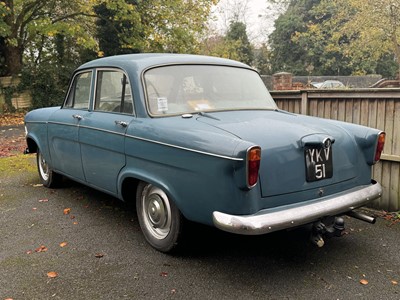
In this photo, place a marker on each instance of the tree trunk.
(13, 60)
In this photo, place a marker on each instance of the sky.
(258, 15)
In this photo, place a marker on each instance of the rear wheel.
(47, 176)
(159, 218)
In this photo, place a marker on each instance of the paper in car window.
(162, 104)
(200, 105)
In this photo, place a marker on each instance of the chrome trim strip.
(184, 148)
(62, 123)
(103, 130)
(36, 122)
(289, 216)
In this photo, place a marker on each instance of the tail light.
(253, 165)
(379, 146)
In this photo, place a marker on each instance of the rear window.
(181, 89)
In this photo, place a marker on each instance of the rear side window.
(113, 92)
(79, 93)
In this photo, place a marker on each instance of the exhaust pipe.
(361, 217)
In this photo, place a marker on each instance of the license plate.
(318, 163)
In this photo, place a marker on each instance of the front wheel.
(47, 176)
(159, 218)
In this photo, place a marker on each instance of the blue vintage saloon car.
(199, 138)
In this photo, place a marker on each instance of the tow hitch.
(321, 230)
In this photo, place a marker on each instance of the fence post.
(304, 103)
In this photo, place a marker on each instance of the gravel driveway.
(77, 243)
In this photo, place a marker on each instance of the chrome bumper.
(288, 216)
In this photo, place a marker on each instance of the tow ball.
(320, 231)
(335, 228)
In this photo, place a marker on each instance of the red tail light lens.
(253, 165)
(379, 146)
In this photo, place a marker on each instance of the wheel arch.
(130, 179)
(32, 145)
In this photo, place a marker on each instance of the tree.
(32, 23)
(127, 26)
(371, 38)
(286, 53)
(237, 35)
(349, 28)
(262, 59)
(153, 25)
(112, 26)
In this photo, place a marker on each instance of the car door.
(102, 131)
(63, 127)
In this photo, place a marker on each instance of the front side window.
(113, 92)
(79, 93)
(183, 89)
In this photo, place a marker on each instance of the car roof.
(146, 60)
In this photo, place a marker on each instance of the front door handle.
(121, 123)
(78, 117)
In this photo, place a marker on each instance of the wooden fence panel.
(377, 108)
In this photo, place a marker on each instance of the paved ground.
(106, 256)
(12, 140)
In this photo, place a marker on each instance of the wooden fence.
(18, 99)
(377, 108)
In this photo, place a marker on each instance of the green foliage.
(346, 38)
(234, 45)
(262, 59)
(238, 35)
(286, 53)
(46, 39)
(7, 92)
(4, 13)
(326, 37)
(32, 25)
(48, 80)
(130, 26)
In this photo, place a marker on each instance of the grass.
(18, 163)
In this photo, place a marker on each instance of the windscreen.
(181, 89)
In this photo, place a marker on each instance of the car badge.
(327, 143)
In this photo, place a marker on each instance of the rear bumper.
(270, 220)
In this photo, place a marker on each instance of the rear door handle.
(121, 123)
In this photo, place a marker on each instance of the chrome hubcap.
(156, 211)
(43, 167)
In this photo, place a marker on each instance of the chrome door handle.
(121, 123)
(78, 117)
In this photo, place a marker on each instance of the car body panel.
(199, 158)
(63, 141)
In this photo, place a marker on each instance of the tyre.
(47, 176)
(160, 220)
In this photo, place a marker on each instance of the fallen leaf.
(364, 281)
(394, 282)
(43, 200)
(41, 249)
(34, 208)
(99, 255)
(37, 185)
(8, 299)
(67, 211)
(75, 223)
(173, 291)
(63, 244)
(52, 274)
(29, 252)
(163, 274)
(72, 217)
